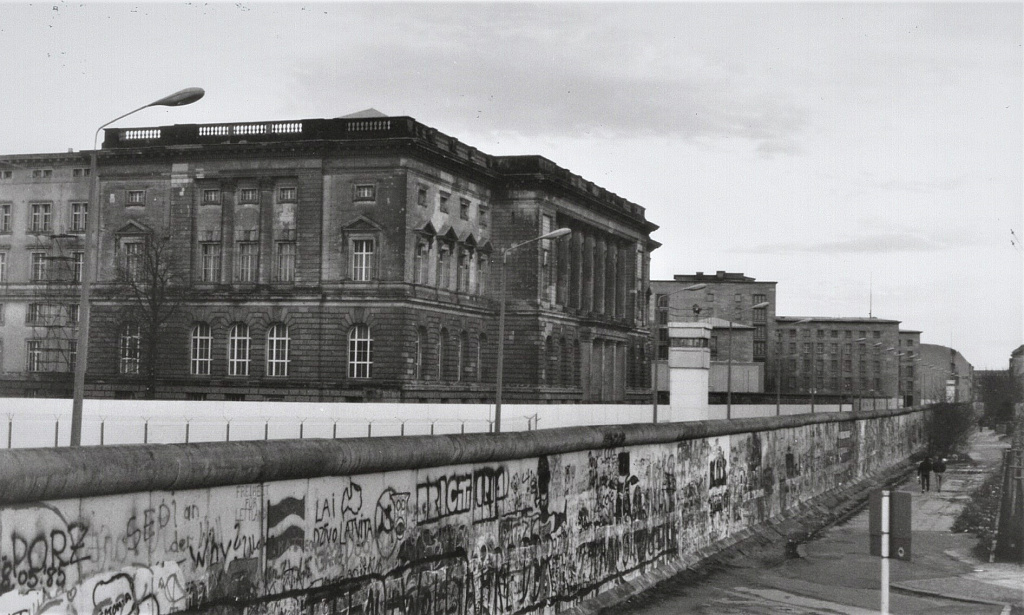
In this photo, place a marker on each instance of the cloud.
(878, 243)
(524, 75)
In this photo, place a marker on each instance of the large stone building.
(720, 298)
(349, 259)
(840, 356)
(947, 374)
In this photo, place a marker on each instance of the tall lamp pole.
(501, 317)
(654, 355)
(728, 365)
(91, 256)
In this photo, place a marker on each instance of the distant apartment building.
(44, 211)
(839, 356)
(721, 298)
(947, 376)
(345, 259)
(909, 366)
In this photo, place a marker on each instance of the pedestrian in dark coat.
(924, 470)
(939, 468)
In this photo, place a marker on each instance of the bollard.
(431, 428)
(56, 433)
(463, 427)
(369, 429)
(10, 430)
(227, 432)
(187, 425)
(302, 426)
(145, 432)
(334, 432)
(403, 429)
(103, 425)
(266, 430)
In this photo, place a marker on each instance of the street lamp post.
(178, 99)
(654, 353)
(728, 365)
(501, 317)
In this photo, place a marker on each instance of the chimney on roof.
(719, 274)
(700, 273)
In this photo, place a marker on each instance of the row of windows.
(277, 356)
(443, 205)
(40, 217)
(46, 173)
(40, 268)
(362, 258)
(835, 333)
(835, 348)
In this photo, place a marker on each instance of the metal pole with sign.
(889, 530)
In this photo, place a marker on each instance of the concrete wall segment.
(28, 475)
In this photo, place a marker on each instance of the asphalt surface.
(837, 575)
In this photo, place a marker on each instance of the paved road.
(838, 576)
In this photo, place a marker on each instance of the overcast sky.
(855, 153)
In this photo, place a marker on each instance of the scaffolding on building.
(53, 315)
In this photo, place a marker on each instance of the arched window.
(459, 375)
(442, 339)
(238, 350)
(421, 345)
(278, 341)
(566, 376)
(360, 352)
(481, 373)
(200, 342)
(129, 348)
(550, 373)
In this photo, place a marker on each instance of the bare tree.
(151, 283)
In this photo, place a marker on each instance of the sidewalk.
(934, 513)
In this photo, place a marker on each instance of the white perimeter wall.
(28, 423)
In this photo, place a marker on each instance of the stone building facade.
(838, 356)
(949, 375)
(43, 212)
(360, 259)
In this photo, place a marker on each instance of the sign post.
(889, 529)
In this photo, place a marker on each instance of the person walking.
(924, 471)
(939, 467)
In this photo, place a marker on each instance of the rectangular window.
(759, 349)
(362, 193)
(210, 262)
(34, 353)
(40, 222)
(248, 255)
(6, 174)
(485, 215)
(421, 196)
(287, 194)
(3, 267)
(248, 195)
(464, 209)
(36, 314)
(136, 197)
(78, 264)
(422, 261)
(463, 265)
(80, 172)
(38, 266)
(444, 266)
(42, 173)
(131, 260)
(362, 260)
(73, 313)
(710, 297)
(792, 347)
(5, 217)
(211, 196)
(285, 261)
(443, 201)
(79, 215)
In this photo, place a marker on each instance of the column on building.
(587, 281)
(599, 274)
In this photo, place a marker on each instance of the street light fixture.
(654, 353)
(501, 317)
(728, 367)
(177, 99)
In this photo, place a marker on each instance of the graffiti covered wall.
(524, 535)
